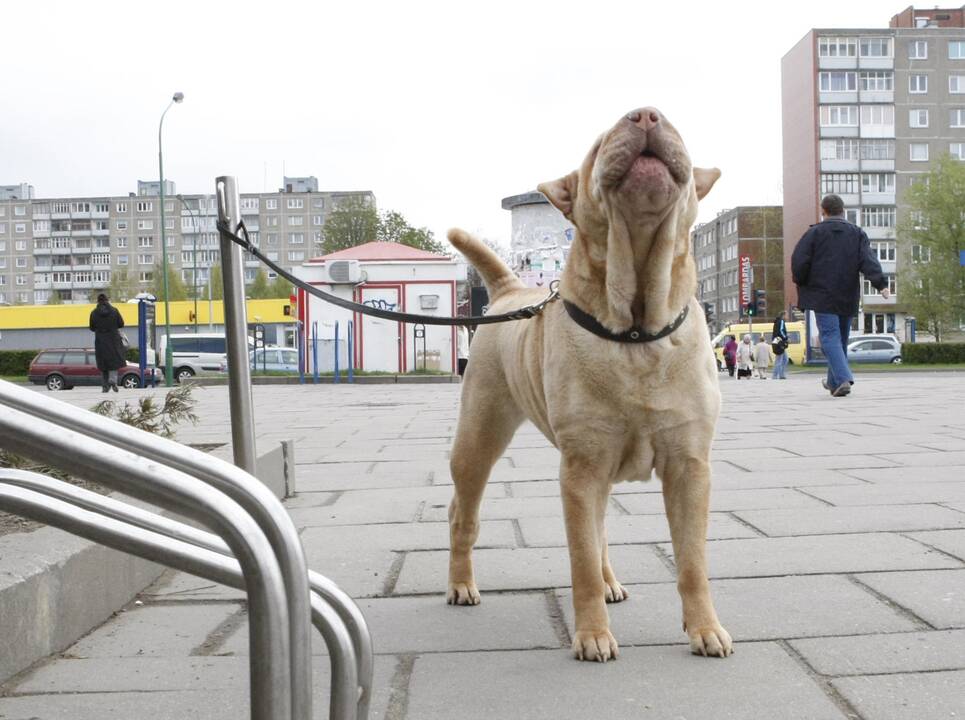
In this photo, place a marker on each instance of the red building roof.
(381, 251)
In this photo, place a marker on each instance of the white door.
(380, 339)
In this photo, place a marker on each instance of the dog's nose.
(647, 118)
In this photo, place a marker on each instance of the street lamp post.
(194, 276)
(168, 354)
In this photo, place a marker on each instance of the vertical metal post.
(301, 353)
(315, 352)
(236, 328)
(351, 350)
(336, 351)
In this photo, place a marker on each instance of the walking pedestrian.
(779, 343)
(762, 357)
(106, 323)
(730, 354)
(825, 266)
(462, 349)
(745, 358)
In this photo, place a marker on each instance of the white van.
(195, 353)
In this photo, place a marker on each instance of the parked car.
(195, 353)
(874, 349)
(63, 368)
(274, 358)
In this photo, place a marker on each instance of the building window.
(122, 259)
(918, 118)
(145, 241)
(121, 225)
(145, 206)
(877, 115)
(21, 262)
(839, 115)
(956, 84)
(892, 287)
(272, 238)
(19, 210)
(80, 207)
(877, 80)
(146, 276)
(296, 238)
(841, 149)
(121, 207)
(877, 149)
(20, 228)
(296, 255)
(296, 203)
(957, 150)
(100, 259)
(918, 152)
(880, 217)
(102, 207)
(837, 47)
(271, 221)
(145, 259)
(920, 254)
(61, 208)
(317, 220)
(318, 203)
(878, 182)
(917, 84)
(21, 279)
(956, 50)
(875, 47)
(145, 224)
(273, 256)
(838, 81)
(3, 228)
(296, 220)
(271, 204)
(121, 242)
(249, 204)
(918, 50)
(956, 117)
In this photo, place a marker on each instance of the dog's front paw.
(615, 592)
(710, 641)
(595, 645)
(463, 593)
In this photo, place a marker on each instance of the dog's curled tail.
(495, 273)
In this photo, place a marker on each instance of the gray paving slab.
(179, 586)
(628, 529)
(213, 688)
(724, 500)
(819, 554)
(831, 462)
(892, 493)
(950, 541)
(381, 511)
(875, 518)
(364, 573)
(926, 459)
(760, 681)
(910, 475)
(524, 568)
(345, 541)
(938, 597)
(921, 696)
(885, 653)
(175, 631)
(753, 609)
(514, 621)
(494, 508)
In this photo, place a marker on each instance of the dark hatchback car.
(62, 369)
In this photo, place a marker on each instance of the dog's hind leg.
(488, 420)
(615, 592)
(686, 497)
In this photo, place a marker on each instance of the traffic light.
(709, 313)
(750, 309)
(760, 302)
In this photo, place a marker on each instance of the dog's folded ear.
(704, 179)
(562, 192)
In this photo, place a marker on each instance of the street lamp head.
(178, 97)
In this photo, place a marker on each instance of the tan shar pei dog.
(619, 376)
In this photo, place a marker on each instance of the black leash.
(523, 313)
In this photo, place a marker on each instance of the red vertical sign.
(745, 280)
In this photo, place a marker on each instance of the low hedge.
(17, 362)
(932, 353)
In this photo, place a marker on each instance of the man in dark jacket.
(106, 323)
(825, 266)
(779, 343)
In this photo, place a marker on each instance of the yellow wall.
(70, 316)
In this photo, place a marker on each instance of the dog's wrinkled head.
(636, 195)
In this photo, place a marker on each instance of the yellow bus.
(795, 336)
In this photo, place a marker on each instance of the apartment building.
(736, 253)
(865, 112)
(71, 246)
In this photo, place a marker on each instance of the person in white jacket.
(745, 357)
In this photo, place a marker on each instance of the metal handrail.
(171, 489)
(344, 681)
(255, 498)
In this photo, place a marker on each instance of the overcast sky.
(440, 108)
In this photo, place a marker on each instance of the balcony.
(42, 285)
(834, 131)
(838, 63)
(877, 63)
(840, 166)
(869, 198)
(877, 96)
(838, 98)
(880, 233)
(877, 165)
(41, 251)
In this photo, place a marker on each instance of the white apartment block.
(71, 246)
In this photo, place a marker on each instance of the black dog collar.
(633, 335)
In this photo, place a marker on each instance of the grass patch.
(14, 378)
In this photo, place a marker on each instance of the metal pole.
(236, 329)
(315, 351)
(168, 353)
(351, 350)
(301, 353)
(336, 351)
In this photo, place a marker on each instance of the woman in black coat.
(106, 323)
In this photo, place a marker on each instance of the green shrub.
(16, 362)
(932, 353)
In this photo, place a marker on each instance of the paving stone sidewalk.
(836, 552)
